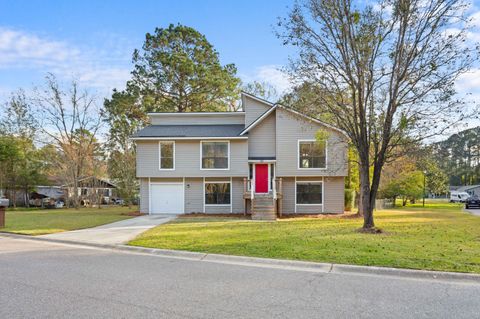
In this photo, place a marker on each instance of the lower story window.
(309, 193)
(217, 193)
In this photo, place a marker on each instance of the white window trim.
(217, 205)
(310, 182)
(160, 155)
(201, 156)
(312, 168)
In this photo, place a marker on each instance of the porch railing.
(249, 187)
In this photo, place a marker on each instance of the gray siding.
(193, 195)
(314, 209)
(187, 160)
(144, 193)
(334, 195)
(253, 109)
(237, 197)
(261, 139)
(197, 119)
(289, 129)
(288, 190)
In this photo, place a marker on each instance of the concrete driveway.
(114, 233)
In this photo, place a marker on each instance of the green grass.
(438, 237)
(48, 221)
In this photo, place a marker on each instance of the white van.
(458, 197)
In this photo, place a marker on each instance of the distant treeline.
(459, 157)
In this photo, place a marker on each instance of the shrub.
(349, 199)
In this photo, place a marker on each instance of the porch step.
(264, 216)
(263, 208)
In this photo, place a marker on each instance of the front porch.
(264, 205)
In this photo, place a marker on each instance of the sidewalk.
(112, 234)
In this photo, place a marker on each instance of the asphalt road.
(473, 211)
(45, 280)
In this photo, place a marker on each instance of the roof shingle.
(231, 130)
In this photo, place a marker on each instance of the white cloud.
(18, 48)
(100, 69)
(469, 81)
(271, 74)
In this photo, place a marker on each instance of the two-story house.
(264, 160)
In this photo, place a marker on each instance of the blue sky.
(94, 40)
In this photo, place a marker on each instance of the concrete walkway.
(114, 233)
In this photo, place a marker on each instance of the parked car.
(118, 201)
(472, 202)
(458, 197)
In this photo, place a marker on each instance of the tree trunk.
(394, 201)
(360, 196)
(27, 201)
(14, 197)
(365, 204)
(75, 195)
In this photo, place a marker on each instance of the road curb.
(270, 263)
(405, 273)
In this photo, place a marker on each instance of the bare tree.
(387, 72)
(70, 121)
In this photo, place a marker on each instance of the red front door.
(261, 178)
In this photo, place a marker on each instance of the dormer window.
(215, 154)
(312, 154)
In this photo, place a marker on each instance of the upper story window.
(215, 155)
(167, 155)
(312, 154)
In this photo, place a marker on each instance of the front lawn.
(48, 221)
(438, 237)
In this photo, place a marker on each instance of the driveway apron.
(115, 233)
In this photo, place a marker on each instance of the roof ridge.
(196, 125)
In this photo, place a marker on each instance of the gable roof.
(256, 98)
(278, 106)
(258, 120)
(84, 182)
(188, 131)
(195, 113)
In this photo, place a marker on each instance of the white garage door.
(166, 198)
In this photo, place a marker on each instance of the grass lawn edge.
(454, 245)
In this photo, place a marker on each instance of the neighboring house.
(469, 189)
(264, 160)
(92, 190)
(46, 195)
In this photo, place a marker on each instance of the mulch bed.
(233, 215)
(284, 216)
